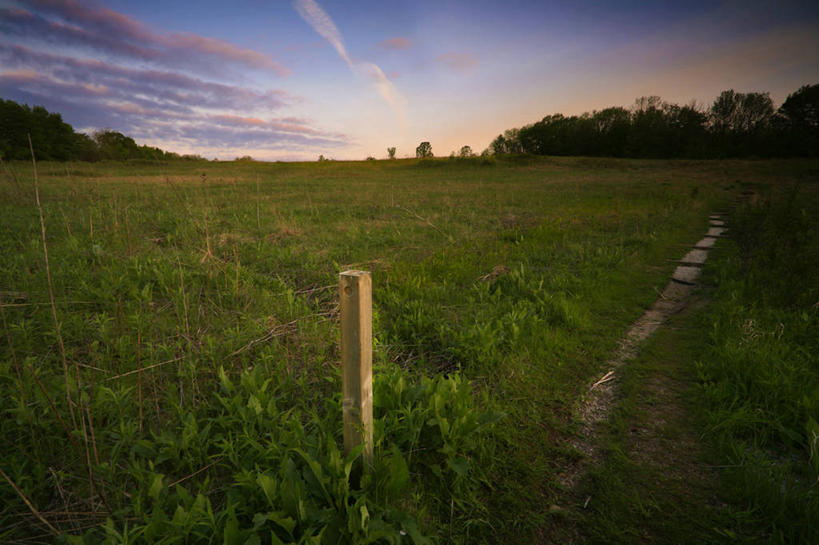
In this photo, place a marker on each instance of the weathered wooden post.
(356, 301)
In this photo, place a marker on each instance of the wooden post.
(356, 301)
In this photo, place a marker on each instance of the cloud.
(395, 43)
(69, 23)
(157, 106)
(459, 62)
(173, 90)
(321, 22)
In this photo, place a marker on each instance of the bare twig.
(279, 330)
(28, 503)
(605, 378)
(313, 290)
(425, 220)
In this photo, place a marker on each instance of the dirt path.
(662, 404)
(601, 396)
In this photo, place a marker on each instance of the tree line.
(735, 125)
(55, 140)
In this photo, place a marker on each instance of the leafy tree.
(423, 151)
(391, 153)
(55, 140)
(466, 151)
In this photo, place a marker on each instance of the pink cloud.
(109, 31)
(287, 125)
(396, 43)
(218, 48)
(460, 62)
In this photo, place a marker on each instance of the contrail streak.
(321, 22)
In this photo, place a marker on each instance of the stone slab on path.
(717, 223)
(706, 243)
(695, 256)
(715, 232)
(686, 274)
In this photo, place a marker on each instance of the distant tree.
(115, 146)
(55, 140)
(244, 159)
(741, 123)
(423, 151)
(802, 107)
(321, 158)
(612, 127)
(800, 113)
(498, 145)
(741, 112)
(391, 153)
(466, 151)
(370, 158)
(512, 137)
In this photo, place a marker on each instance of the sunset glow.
(290, 81)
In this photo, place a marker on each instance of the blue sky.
(346, 79)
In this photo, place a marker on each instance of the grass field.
(184, 385)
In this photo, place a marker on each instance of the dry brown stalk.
(144, 368)
(91, 421)
(25, 499)
(139, 376)
(426, 220)
(12, 176)
(67, 513)
(258, 197)
(88, 459)
(51, 288)
(236, 283)
(17, 366)
(53, 406)
(11, 346)
(194, 474)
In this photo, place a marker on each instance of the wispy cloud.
(460, 62)
(321, 22)
(107, 32)
(395, 43)
(161, 107)
(170, 89)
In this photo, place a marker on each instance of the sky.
(292, 80)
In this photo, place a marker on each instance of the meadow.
(170, 371)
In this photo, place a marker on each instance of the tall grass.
(203, 324)
(761, 372)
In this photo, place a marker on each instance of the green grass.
(727, 396)
(218, 279)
